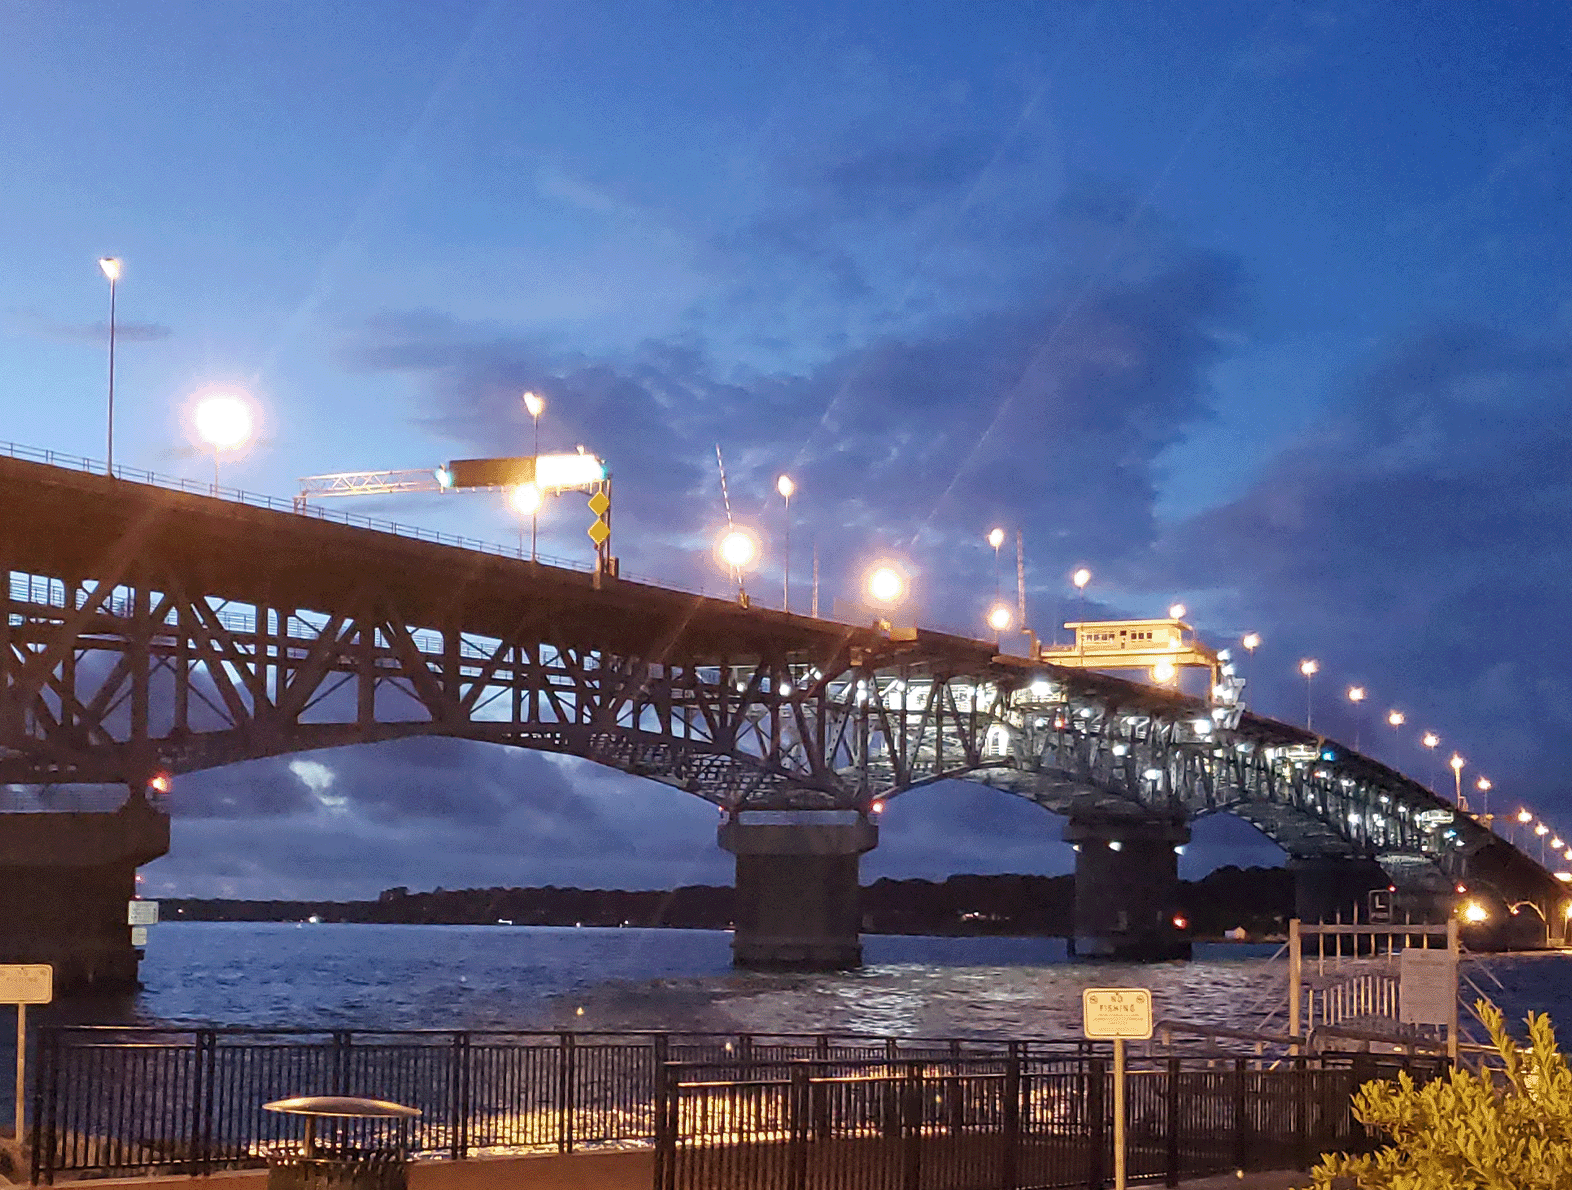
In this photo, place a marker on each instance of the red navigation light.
(160, 783)
(1462, 888)
(877, 808)
(1180, 923)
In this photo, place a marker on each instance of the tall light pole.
(1309, 667)
(526, 500)
(1484, 786)
(996, 539)
(786, 487)
(1080, 578)
(1541, 830)
(1356, 695)
(1523, 819)
(111, 268)
(1251, 642)
(1456, 764)
(535, 405)
(225, 422)
(1432, 741)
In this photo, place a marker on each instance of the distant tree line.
(1257, 900)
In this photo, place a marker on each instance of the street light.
(1176, 611)
(886, 585)
(786, 488)
(1080, 578)
(1484, 786)
(1164, 672)
(535, 405)
(1251, 641)
(737, 550)
(111, 269)
(1523, 818)
(996, 539)
(1309, 667)
(1432, 741)
(1000, 617)
(1456, 764)
(526, 500)
(1356, 695)
(225, 421)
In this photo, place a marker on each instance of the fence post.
(1241, 1117)
(196, 1152)
(565, 1064)
(1012, 1118)
(1171, 1092)
(1302, 1109)
(911, 1128)
(460, 1135)
(47, 1072)
(660, 1051)
(1096, 1117)
(664, 1133)
(893, 1087)
(797, 1128)
(342, 1041)
(1360, 1072)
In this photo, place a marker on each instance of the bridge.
(150, 631)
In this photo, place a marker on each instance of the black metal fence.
(1022, 1122)
(143, 1100)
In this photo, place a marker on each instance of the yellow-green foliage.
(1494, 1130)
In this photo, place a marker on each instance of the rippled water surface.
(451, 977)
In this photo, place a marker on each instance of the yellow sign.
(598, 504)
(26, 983)
(598, 531)
(1117, 1012)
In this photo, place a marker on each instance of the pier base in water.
(1126, 889)
(797, 889)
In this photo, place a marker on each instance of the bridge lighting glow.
(1176, 611)
(1115, 845)
(1153, 774)
(224, 420)
(1524, 816)
(1309, 667)
(1041, 689)
(996, 538)
(1556, 844)
(1120, 749)
(876, 808)
(559, 472)
(160, 783)
(534, 405)
(784, 689)
(1000, 617)
(737, 549)
(1457, 763)
(1396, 718)
(1541, 830)
(1178, 848)
(1180, 923)
(1251, 641)
(526, 499)
(1164, 671)
(444, 477)
(1474, 912)
(1080, 578)
(1356, 694)
(1565, 878)
(1483, 785)
(886, 585)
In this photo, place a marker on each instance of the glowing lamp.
(224, 420)
(1474, 912)
(1081, 577)
(999, 617)
(534, 404)
(1309, 667)
(886, 585)
(1163, 671)
(111, 267)
(785, 487)
(526, 499)
(1176, 611)
(737, 549)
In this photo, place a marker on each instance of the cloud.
(35, 325)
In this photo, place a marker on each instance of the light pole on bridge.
(1309, 667)
(1356, 695)
(1456, 764)
(786, 487)
(1432, 741)
(111, 269)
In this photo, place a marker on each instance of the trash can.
(339, 1165)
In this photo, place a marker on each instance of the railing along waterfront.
(127, 1100)
(1022, 1121)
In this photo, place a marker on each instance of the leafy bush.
(1493, 1130)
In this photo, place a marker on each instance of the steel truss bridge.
(150, 630)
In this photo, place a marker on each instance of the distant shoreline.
(1258, 901)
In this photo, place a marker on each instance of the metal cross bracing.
(148, 630)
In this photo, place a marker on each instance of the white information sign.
(26, 983)
(1427, 988)
(1117, 1012)
(142, 913)
(138, 935)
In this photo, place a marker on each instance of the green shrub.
(1509, 1129)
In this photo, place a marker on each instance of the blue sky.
(1261, 306)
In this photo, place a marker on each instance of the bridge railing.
(110, 1100)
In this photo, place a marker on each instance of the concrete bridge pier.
(797, 888)
(65, 879)
(1126, 888)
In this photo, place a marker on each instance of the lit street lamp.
(1523, 819)
(1541, 830)
(886, 586)
(1456, 764)
(786, 487)
(225, 422)
(1432, 741)
(1484, 786)
(1176, 611)
(1080, 578)
(996, 539)
(1000, 618)
(1251, 642)
(111, 269)
(1309, 667)
(1356, 695)
(526, 500)
(535, 405)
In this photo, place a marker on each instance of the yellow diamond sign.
(598, 531)
(598, 504)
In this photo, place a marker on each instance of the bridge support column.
(1126, 884)
(796, 898)
(64, 882)
(1331, 888)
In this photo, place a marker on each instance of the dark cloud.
(36, 326)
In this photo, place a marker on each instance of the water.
(533, 977)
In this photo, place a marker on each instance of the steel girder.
(114, 679)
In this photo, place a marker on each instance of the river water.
(532, 977)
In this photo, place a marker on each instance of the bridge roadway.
(154, 631)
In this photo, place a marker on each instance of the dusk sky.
(1264, 307)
